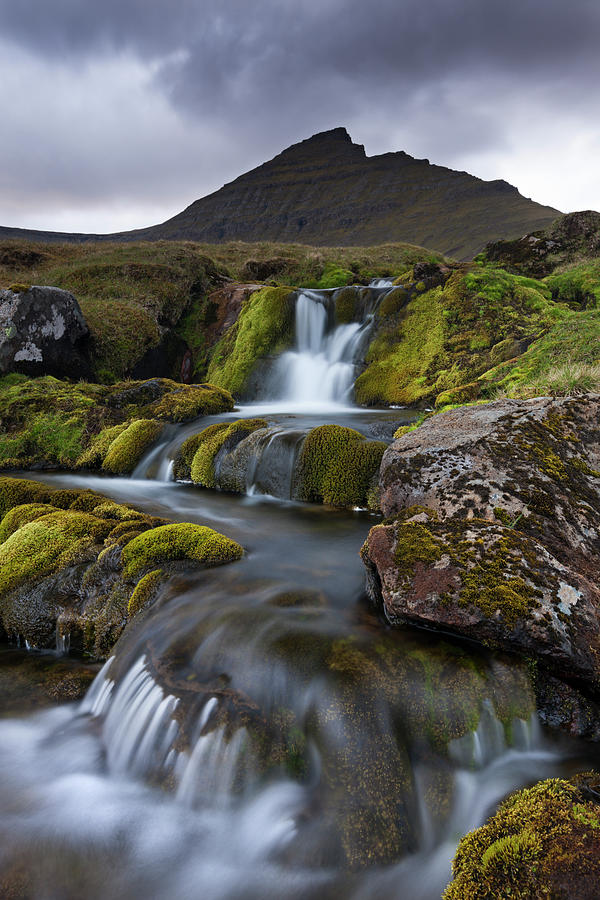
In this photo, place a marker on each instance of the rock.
(43, 332)
(493, 530)
(543, 841)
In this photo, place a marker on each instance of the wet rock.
(493, 530)
(543, 842)
(42, 332)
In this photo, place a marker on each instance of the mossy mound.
(56, 424)
(182, 541)
(144, 591)
(264, 328)
(543, 842)
(205, 447)
(338, 466)
(127, 448)
(70, 561)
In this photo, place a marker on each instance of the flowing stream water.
(259, 732)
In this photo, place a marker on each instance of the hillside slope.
(326, 191)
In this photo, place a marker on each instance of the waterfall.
(321, 366)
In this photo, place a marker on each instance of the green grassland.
(502, 325)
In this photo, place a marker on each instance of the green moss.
(185, 454)
(52, 423)
(78, 536)
(466, 393)
(20, 515)
(144, 591)
(393, 302)
(207, 444)
(93, 457)
(346, 307)
(577, 285)
(19, 288)
(127, 449)
(416, 544)
(338, 466)
(19, 491)
(189, 401)
(398, 360)
(183, 541)
(563, 361)
(536, 845)
(47, 544)
(333, 276)
(439, 340)
(265, 326)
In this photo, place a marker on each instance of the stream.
(260, 732)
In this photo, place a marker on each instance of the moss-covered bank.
(264, 328)
(47, 423)
(75, 562)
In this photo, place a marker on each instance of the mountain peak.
(336, 142)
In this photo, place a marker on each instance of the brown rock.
(494, 532)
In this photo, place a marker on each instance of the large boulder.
(42, 332)
(493, 530)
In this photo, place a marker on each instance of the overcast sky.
(119, 113)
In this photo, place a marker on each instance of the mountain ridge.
(326, 191)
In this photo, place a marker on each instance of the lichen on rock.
(492, 530)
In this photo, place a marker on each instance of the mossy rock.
(55, 424)
(346, 306)
(543, 842)
(221, 437)
(127, 448)
(190, 401)
(72, 559)
(182, 541)
(144, 591)
(446, 328)
(338, 466)
(466, 393)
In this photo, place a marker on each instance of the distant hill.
(326, 191)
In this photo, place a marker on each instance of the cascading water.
(321, 367)
(257, 733)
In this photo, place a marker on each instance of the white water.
(320, 370)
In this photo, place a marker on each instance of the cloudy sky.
(119, 113)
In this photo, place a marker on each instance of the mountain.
(326, 191)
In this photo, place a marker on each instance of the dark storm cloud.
(233, 50)
(198, 91)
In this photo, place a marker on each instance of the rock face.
(493, 530)
(43, 332)
(326, 191)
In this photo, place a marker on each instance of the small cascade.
(321, 367)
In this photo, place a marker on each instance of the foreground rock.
(42, 332)
(542, 842)
(76, 565)
(493, 530)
